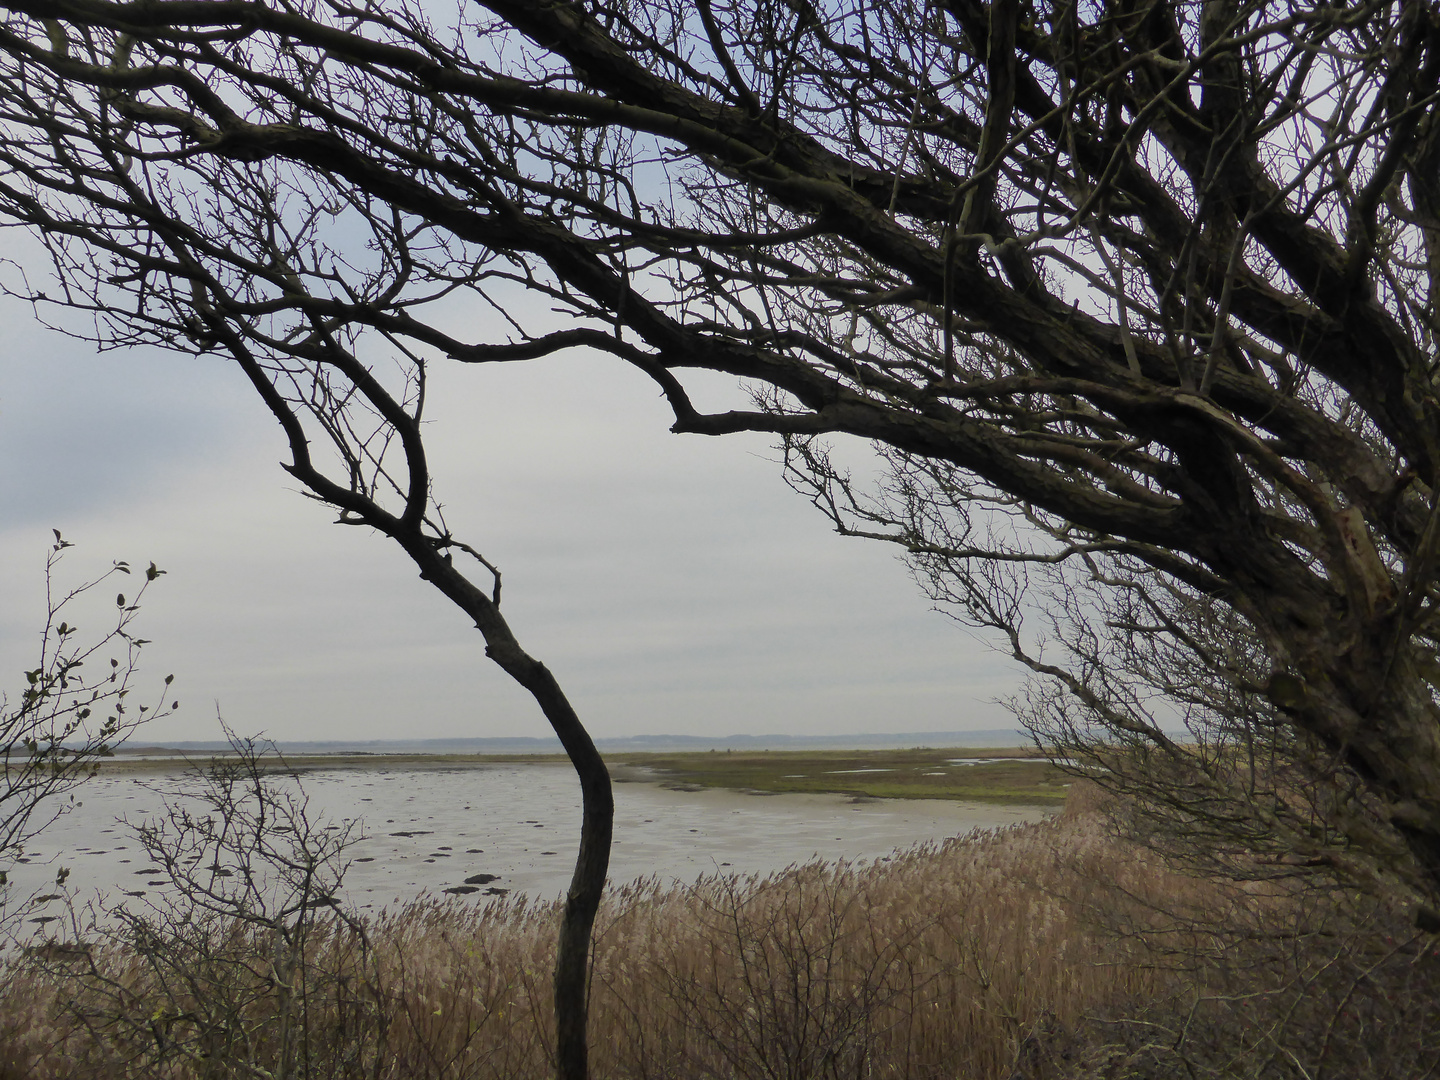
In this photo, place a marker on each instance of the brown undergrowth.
(999, 955)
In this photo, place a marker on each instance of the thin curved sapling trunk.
(429, 544)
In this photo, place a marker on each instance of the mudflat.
(484, 829)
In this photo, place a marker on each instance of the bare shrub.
(65, 719)
(246, 966)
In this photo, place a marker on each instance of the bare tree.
(1138, 299)
(65, 719)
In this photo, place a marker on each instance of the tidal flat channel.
(511, 828)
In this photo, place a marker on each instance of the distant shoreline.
(157, 761)
(1005, 774)
(531, 745)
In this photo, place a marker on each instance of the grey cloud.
(672, 583)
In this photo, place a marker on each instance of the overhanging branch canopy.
(1162, 273)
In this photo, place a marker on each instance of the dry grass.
(980, 958)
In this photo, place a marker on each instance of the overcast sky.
(673, 583)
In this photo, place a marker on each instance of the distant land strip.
(889, 740)
(1005, 774)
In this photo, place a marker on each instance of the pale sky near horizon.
(672, 583)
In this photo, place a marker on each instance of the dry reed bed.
(938, 962)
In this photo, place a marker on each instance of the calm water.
(426, 830)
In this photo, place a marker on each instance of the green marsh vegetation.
(1004, 775)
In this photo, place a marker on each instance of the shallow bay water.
(426, 830)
